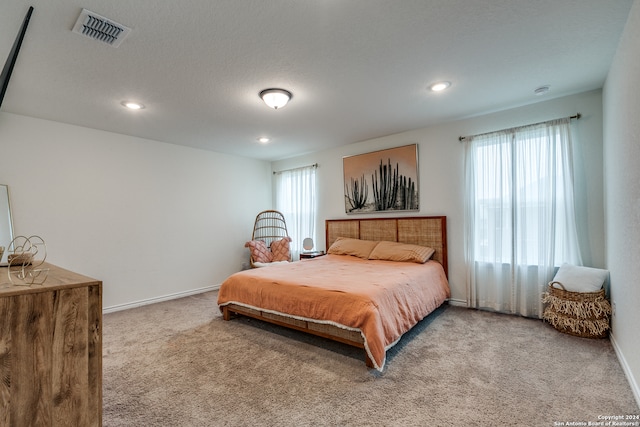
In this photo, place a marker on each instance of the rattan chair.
(268, 227)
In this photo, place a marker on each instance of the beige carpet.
(178, 363)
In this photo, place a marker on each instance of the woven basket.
(583, 314)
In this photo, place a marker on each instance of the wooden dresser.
(51, 351)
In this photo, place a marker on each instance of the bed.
(367, 299)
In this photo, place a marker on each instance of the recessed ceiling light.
(132, 105)
(440, 86)
(541, 90)
(263, 140)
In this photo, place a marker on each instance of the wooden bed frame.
(426, 231)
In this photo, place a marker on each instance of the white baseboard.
(458, 302)
(625, 367)
(154, 300)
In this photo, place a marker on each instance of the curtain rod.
(315, 165)
(577, 117)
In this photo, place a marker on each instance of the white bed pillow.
(580, 279)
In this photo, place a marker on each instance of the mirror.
(6, 226)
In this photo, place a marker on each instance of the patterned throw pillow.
(280, 249)
(259, 251)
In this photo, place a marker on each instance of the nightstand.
(308, 255)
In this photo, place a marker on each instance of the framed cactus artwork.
(380, 181)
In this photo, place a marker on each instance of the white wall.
(622, 195)
(147, 218)
(441, 173)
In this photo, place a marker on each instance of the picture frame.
(382, 181)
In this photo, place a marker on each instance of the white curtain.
(519, 215)
(296, 199)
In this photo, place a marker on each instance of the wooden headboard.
(424, 230)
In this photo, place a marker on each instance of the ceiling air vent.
(99, 28)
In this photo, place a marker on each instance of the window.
(519, 214)
(296, 199)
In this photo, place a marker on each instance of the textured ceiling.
(358, 69)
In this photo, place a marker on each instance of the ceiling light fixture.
(542, 90)
(132, 105)
(440, 86)
(263, 140)
(275, 98)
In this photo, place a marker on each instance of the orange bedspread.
(382, 299)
